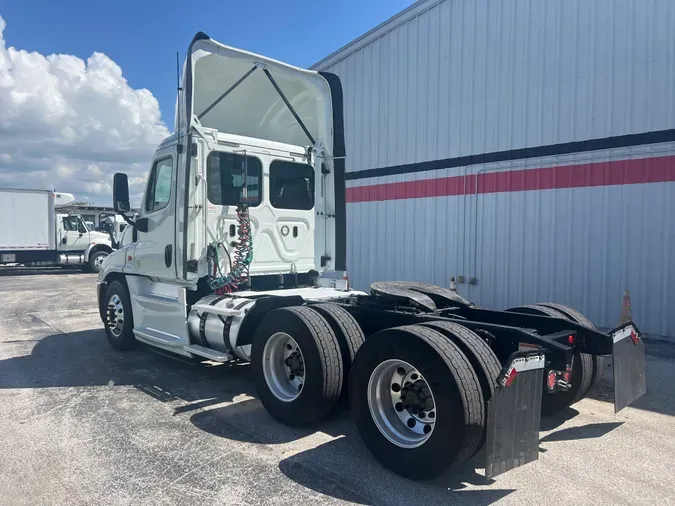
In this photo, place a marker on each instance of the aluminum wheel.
(115, 315)
(401, 403)
(283, 367)
(98, 261)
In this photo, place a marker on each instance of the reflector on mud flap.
(628, 357)
(514, 415)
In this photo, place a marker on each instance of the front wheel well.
(113, 276)
(99, 247)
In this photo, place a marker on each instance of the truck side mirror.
(121, 193)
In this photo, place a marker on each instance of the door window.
(159, 185)
(291, 185)
(81, 226)
(225, 176)
(70, 223)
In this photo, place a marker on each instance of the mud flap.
(628, 357)
(514, 415)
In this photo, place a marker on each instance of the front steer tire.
(120, 334)
(457, 394)
(323, 367)
(96, 257)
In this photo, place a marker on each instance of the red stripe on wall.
(621, 172)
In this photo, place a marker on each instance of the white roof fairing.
(254, 108)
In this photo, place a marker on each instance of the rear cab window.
(291, 185)
(225, 177)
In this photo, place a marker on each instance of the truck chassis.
(431, 378)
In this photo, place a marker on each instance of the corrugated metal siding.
(458, 77)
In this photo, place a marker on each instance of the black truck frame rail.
(394, 304)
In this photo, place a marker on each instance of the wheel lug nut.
(291, 377)
(414, 376)
(289, 347)
(432, 414)
(399, 407)
(299, 387)
(400, 371)
(396, 387)
(427, 429)
(421, 414)
(411, 422)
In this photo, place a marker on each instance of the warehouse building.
(526, 148)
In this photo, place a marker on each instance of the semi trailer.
(238, 254)
(34, 233)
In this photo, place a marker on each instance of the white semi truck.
(238, 254)
(33, 233)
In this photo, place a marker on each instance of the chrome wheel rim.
(115, 315)
(283, 367)
(98, 261)
(401, 403)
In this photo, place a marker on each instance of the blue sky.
(142, 36)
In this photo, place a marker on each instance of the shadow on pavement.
(589, 431)
(84, 358)
(341, 468)
(556, 420)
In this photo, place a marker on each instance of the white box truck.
(32, 233)
(238, 253)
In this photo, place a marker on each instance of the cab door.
(156, 249)
(74, 236)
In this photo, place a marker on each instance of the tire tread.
(328, 347)
(467, 382)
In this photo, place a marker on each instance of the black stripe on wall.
(619, 141)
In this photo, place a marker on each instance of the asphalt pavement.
(81, 423)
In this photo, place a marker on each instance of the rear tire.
(582, 369)
(457, 398)
(346, 329)
(599, 361)
(118, 318)
(317, 377)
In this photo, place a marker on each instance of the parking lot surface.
(81, 423)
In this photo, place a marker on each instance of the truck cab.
(257, 152)
(77, 244)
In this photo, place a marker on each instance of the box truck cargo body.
(27, 220)
(525, 148)
(33, 233)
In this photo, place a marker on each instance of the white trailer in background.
(33, 234)
(524, 147)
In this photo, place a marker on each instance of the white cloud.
(70, 125)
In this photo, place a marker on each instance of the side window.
(70, 223)
(291, 185)
(159, 186)
(81, 226)
(225, 176)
